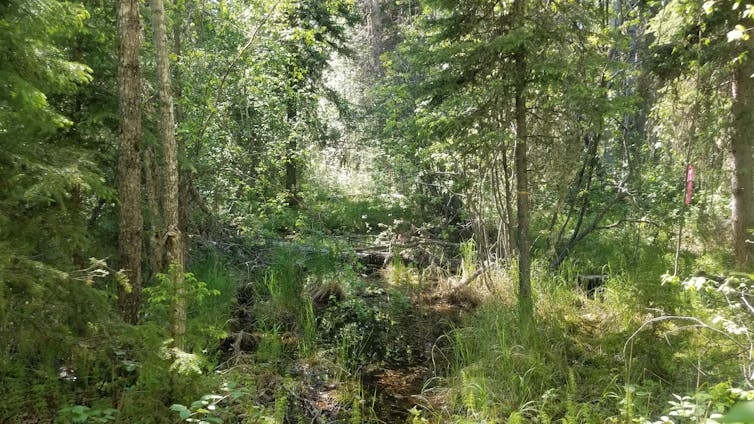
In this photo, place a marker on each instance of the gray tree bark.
(172, 238)
(129, 164)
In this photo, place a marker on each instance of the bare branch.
(625, 220)
(699, 323)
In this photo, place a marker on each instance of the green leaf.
(742, 412)
(182, 411)
(198, 404)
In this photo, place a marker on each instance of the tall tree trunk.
(375, 30)
(173, 242)
(510, 240)
(180, 7)
(522, 178)
(291, 161)
(129, 164)
(742, 111)
(152, 185)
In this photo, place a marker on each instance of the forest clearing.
(376, 211)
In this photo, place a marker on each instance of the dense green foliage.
(348, 200)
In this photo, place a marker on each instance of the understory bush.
(638, 351)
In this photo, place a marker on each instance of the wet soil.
(399, 388)
(389, 386)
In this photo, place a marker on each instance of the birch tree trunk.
(172, 239)
(129, 164)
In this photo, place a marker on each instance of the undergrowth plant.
(574, 364)
(85, 414)
(722, 318)
(495, 369)
(308, 324)
(468, 257)
(207, 321)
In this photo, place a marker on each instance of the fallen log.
(408, 245)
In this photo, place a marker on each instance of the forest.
(376, 211)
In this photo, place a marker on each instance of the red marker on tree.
(689, 183)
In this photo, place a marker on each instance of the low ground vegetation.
(376, 211)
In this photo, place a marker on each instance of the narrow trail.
(378, 348)
(399, 387)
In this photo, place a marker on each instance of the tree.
(319, 30)
(466, 91)
(52, 175)
(172, 237)
(522, 182)
(129, 159)
(742, 148)
(702, 34)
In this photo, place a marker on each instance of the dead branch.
(468, 280)
(625, 220)
(416, 243)
(699, 323)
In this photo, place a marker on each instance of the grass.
(313, 312)
(576, 364)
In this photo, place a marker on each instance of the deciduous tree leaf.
(742, 412)
(182, 411)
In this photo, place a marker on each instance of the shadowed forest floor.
(399, 354)
(398, 389)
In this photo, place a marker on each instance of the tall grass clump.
(498, 368)
(563, 368)
(400, 274)
(639, 348)
(308, 326)
(468, 257)
(281, 288)
(300, 281)
(284, 280)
